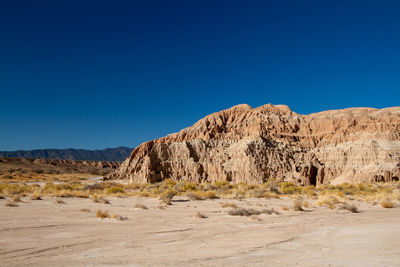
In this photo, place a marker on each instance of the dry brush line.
(351, 208)
(100, 199)
(250, 212)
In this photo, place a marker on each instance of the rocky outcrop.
(242, 144)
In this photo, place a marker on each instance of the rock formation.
(242, 144)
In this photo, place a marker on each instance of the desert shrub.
(255, 218)
(221, 183)
(63, 193)
(328, 201)
(100, 199)
(195, 195)
(134, 186)
(210, 195)
(184, 186)
(288, 188)
(114, 190)
(237, 193)
(384, 189)
(60, 201)
(92, 187)
(298, 205)
(308, 190)
(17, 198)
(13, 189)
(167, 196)
(36, 196)
(208, 186)
(102, 214)
(387, 203)
(11, 204)
(351, 208)
(118, 217)
(169, 183)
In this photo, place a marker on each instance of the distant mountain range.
(108, 154)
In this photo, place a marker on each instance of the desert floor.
(46, 233)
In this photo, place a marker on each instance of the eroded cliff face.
(242, 144)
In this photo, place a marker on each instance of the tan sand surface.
(44, 233)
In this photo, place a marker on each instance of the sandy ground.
(43, 233)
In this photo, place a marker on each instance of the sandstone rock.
(242, 144)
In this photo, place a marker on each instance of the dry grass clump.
(298, 205)
(288, 188)
(228, 205)
(221, 184)
(60, 201)
(100, 199)
(196, 195)
(351, 208)
(284, 207)
(11, 204)
(327, 201)
(255, 218)
(140, 206)
(114, 190)
(167, 196)
(387, 203)
(200, 215)
(250, 212)
(17, 198)
(201, 195)
(36, 196)
(243, 212)
(102, 214)
(118, 217)
(210, 195)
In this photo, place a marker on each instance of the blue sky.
(97, 74)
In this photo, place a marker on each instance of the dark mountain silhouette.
(108, 154)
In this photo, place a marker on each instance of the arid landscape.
(324, 230)
(200, 133)
(86, 221)
(294, 190)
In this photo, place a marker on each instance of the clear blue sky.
(97, 74)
